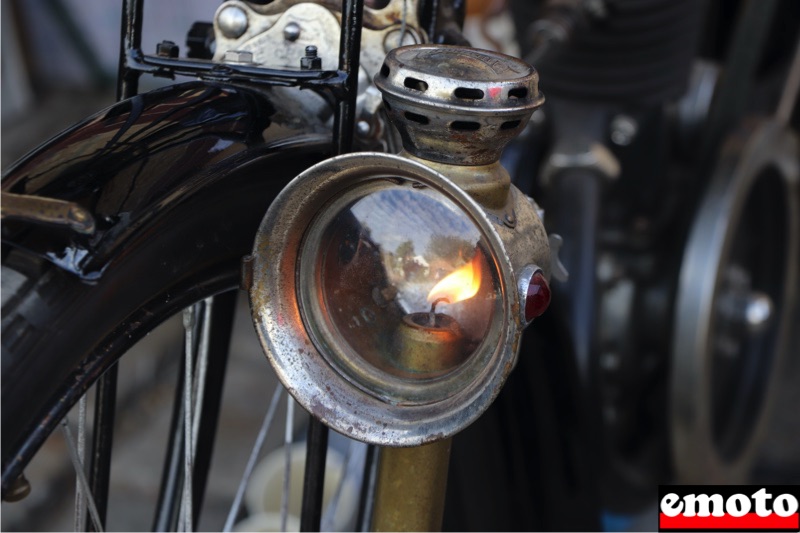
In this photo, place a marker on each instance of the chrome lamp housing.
(390, 291)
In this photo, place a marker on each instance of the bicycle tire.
(51, 306)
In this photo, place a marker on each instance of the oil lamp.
(431, 342)
(390, 291)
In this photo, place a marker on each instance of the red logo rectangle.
(729, 508)
(750, 521)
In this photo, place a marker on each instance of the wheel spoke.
(102, 439)
(80, 504)
(251, 461)
(201, 370)
(287, 465)
(207, 328)
(214, 348)
(355, 457)
(168, 501)
(189, 322)
(78, 466)
(207, 331)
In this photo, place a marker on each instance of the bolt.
(623, 130)
(238, 56)
(311, 61)
(363, 128)
(291, 32)
(232, 21)
(740, 305)
(167, 49)
(510, 220)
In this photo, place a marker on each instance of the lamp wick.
(432, 314)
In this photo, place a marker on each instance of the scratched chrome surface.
(297, 359)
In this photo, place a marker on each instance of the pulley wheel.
(735, 296)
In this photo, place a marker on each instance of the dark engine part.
(636, 52)
(200, 41)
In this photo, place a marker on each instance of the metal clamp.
(40, 210)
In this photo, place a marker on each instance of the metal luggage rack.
(337, 86)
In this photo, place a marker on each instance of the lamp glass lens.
(405, 282)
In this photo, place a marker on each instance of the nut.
(238, 56)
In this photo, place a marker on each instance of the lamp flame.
(461, 284)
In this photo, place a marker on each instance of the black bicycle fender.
(177, 181)
(140, 157)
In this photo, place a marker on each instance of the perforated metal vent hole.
(465, 125)
(415, 84)
(518, 93)
(467, 93)
(414, 117)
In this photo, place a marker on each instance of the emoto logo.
(731, 507)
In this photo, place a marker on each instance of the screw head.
(232, 21)
(291, 32)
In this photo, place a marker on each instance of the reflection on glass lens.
(406, 281)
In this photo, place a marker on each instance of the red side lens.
(538, 297)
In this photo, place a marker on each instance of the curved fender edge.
(140, 157)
